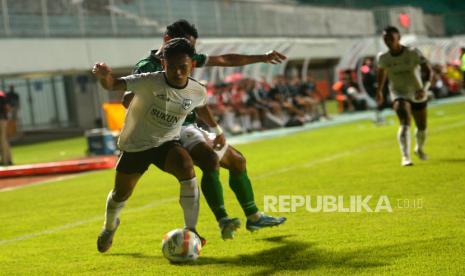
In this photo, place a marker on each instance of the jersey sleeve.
(204, 100)
(137, 83)
(419, 57)
(200, 59)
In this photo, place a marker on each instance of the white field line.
(267, 136)
(310, 164)
(158, 202)
(82, 222)
(265, 175)
(348, 153)
(47, 181)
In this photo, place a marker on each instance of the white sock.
(403, 137)
(420, 136)
(112, 212)
(379, 116)
(245, 122)
(256, 124)
(189, 200)
(229, 120)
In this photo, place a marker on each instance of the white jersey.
(403, 72)
(157, 111)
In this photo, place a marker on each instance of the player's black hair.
(181, 28)
(178, 46)
(390, 30)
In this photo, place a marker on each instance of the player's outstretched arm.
(427, 72)
(205, 115)
(272, 57)
(103, 73)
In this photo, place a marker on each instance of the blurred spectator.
(462, 66)
(282, 99)
(303, 102)
(223, 108)
(349, 93)
(438, 86)
(13, 101)
(369, 77)
(454, 77)
(4, 143)
(308, 89)
(256, 100)
(248, 115)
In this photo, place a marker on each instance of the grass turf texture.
(65, 149)
(52, 228)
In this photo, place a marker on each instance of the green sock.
(213, 192)
(240, 184)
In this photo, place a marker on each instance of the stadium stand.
(59, 94)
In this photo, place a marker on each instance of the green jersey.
(152, 63)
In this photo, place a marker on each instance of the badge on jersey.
(186, 104)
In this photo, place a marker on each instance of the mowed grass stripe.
(408, 241)
(265, 175)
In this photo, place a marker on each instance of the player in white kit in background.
(405, 67)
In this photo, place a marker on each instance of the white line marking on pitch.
(150, 205)
(310, 164)
(82, 222)
(348, 153)
(39, 183)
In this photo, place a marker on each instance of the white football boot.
(406, 161)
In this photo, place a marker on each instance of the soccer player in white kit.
(405, 66)
(151, 130)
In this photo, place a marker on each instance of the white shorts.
(408, 97)
(191, 135)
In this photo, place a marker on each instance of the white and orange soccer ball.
(181, 245)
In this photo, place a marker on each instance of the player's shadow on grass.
(135, 255)
(451, 160)
(301, 256)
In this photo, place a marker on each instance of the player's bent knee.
(238, 162)
(205, 158)
(209, 162)
(185, 164)
(184, 169)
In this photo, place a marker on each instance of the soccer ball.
(181, 245)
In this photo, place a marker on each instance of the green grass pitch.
(52, 228)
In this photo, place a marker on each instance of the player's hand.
(219, 142)
(101, 70)
(419, 95)
(379, 99)
(274, 57)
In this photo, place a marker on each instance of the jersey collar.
(402, 48)
(174, 86)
